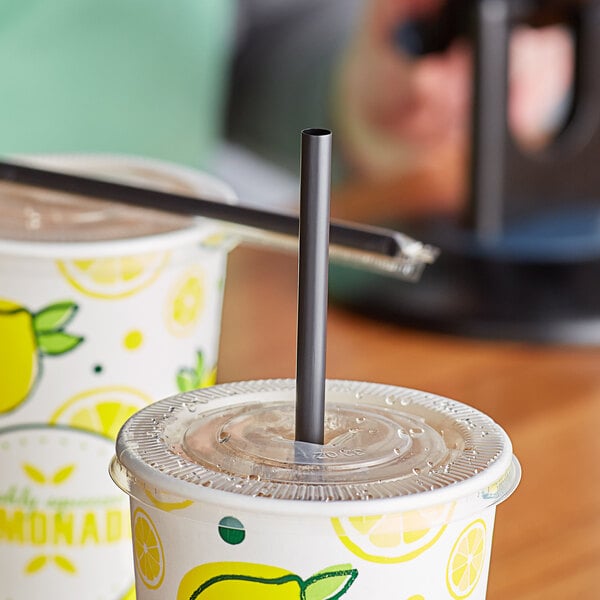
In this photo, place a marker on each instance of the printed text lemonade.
(41, 527)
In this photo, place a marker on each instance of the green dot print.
(231, 530)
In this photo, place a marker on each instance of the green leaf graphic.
(57, 342)
(34, 473)
(35, 564)
(199, 365)
(54, 317)
(63, 474)
(331, 583)
(187, 380)
(62, 562)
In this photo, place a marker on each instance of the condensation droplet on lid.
(191, 406)
(224, 436)
(416, 471)
(358, 395)
(207, 483)
(398, 451)
(360, 419)
(390, 401)
(404, 401)
(33, 219)
(254, 477)
(171, 409)
(416, 431)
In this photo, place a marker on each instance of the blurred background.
(471, 125)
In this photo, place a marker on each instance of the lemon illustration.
(147, 550)
(101, 410)
(130, 595)
(229, 580)
(24, 338)
(168, 505)
(393, 538)
(115, 277)
(197, 377)
(467, 560)
(185, 303)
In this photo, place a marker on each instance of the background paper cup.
(202, 532)
(102, 311)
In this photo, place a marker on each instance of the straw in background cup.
(90, 332)
(373, 248)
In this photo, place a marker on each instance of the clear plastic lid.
(35, 216)
(381, 443)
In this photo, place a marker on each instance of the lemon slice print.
(253, 581)
(148, 550)
(115, 277)
(185, 303)
(101, 410)
(168, 504)
(393, 538)
(466, 561)
(25, 337)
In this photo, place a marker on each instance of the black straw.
(369, 239)
(313, 262)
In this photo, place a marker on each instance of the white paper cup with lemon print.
(103, 309)
(399, 502)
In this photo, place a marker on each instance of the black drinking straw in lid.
(313, 262)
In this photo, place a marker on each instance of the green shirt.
(143, 77)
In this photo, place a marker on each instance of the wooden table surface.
(547, 538)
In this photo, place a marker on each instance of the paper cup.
(102, 311)
(399, 502)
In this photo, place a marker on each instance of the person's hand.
(399, 115)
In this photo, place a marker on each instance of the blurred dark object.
(523, 261)
(457, 19)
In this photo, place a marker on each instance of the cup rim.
(198, 229)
